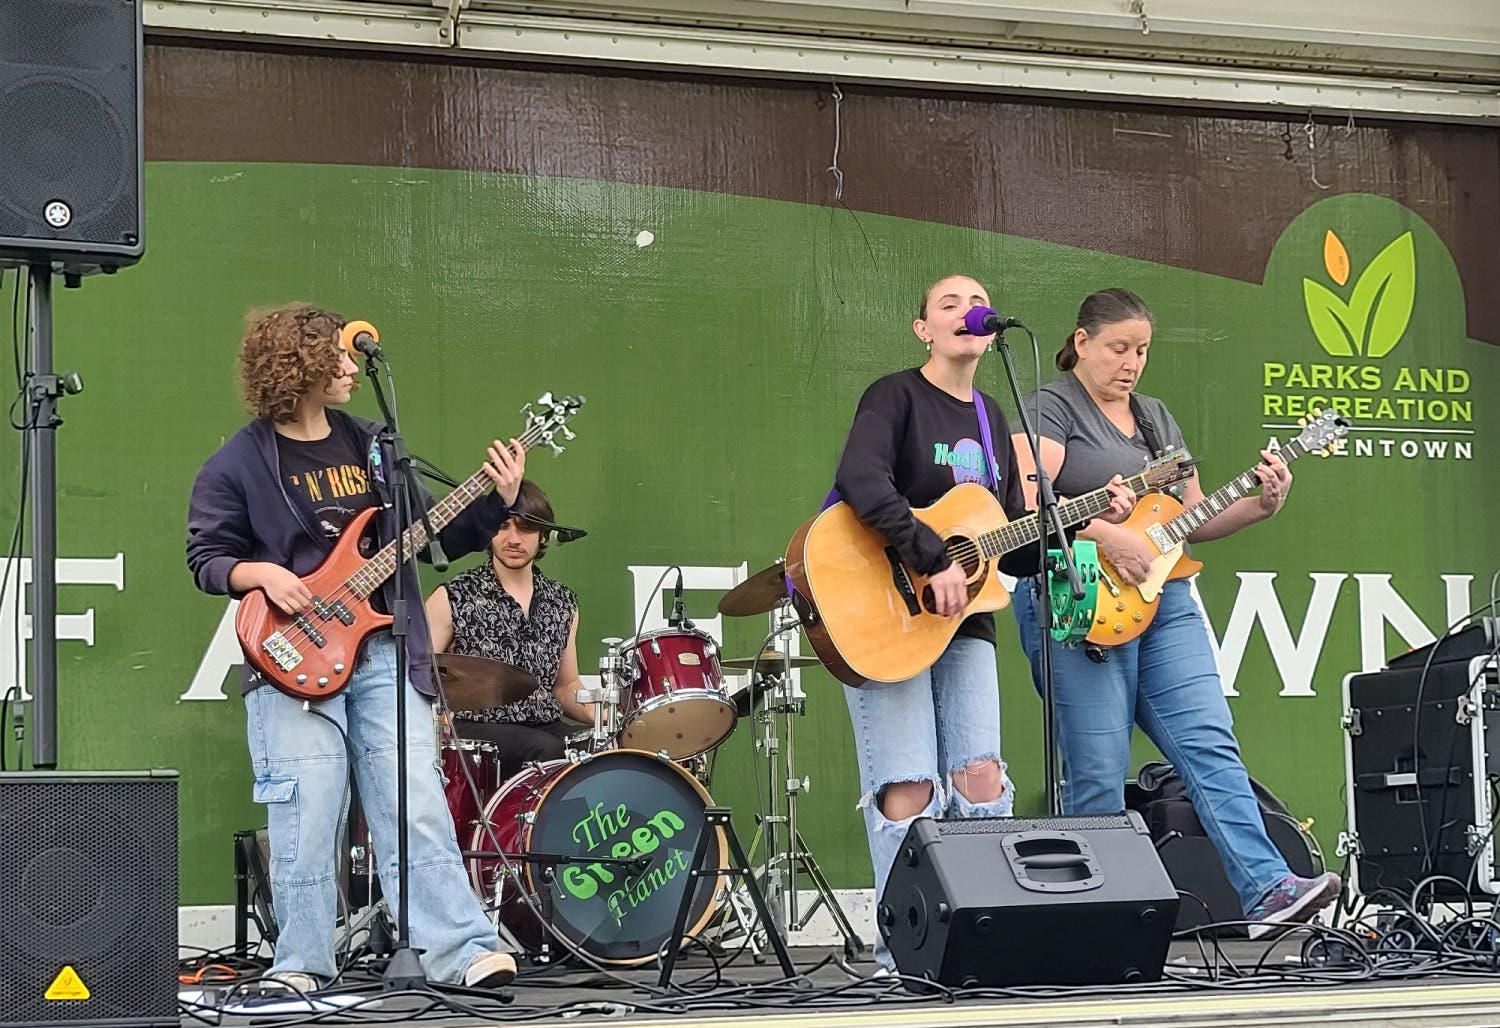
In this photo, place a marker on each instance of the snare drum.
(586, 816)
(672, 696)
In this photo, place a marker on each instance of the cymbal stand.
(785, 862)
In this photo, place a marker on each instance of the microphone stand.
(1049, 523)
(404, 970)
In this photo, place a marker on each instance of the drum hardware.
(550, 861)
(717, 820)
(787, 853)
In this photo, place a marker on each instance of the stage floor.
(1285, 992)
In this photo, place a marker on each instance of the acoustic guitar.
(869, 615)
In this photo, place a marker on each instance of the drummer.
(507, 610)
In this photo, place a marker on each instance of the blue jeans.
(1167, 682)
(301, 771)
(922, 730)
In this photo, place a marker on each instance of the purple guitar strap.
(985, 441)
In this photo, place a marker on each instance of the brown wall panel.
(1210, 192)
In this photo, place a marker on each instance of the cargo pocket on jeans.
(280, 797)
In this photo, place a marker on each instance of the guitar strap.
(989, 446)
(1148, 428)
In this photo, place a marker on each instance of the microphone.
(361, 337)
(678, 615)
(983, 321)
(555, 534)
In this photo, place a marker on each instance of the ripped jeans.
(922, 730)
(301, 774)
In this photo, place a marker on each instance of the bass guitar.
(1162, 524)
(311, 655)
(869, 615)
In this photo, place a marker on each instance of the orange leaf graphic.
(1335, 258)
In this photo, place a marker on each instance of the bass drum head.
(619, 804)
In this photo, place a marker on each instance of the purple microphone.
(983, 321)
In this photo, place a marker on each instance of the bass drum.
(568, 824)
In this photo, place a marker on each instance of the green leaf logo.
(1379, 308)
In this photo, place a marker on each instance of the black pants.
(518, 744)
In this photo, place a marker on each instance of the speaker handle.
(1053, 860)
(1032, 854)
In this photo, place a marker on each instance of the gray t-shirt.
(1096, 449)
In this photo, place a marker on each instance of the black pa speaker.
(989, 902)
(88, 909)
(70, 134)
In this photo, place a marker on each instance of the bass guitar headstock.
(547, 417)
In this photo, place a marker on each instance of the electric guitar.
(1160, 521)
(869, 615)
(311, 656)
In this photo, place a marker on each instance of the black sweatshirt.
(910, 443)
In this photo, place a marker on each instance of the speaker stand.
(43, 390)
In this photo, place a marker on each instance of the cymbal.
(761, 592)
(479, 683)
(770, 661)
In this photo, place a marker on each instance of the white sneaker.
(287, 981)
(492, 970)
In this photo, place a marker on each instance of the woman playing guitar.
(1093, 423)
(930, 745)
(265, 510)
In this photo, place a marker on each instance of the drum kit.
(595, 846)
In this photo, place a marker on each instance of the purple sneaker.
(1292, 900)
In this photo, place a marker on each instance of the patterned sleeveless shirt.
(488, 622)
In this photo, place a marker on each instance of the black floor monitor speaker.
(88, 905)
(993, 902)
(70, 134)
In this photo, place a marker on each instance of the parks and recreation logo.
(1361, 316)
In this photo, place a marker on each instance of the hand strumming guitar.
(950, 591)
(281, 587)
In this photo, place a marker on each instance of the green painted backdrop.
(721, 364)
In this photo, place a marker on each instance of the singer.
(1093, 423)
(263, 511)
(507, 610)
(930, 746)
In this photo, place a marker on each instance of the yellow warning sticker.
(67, 985)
